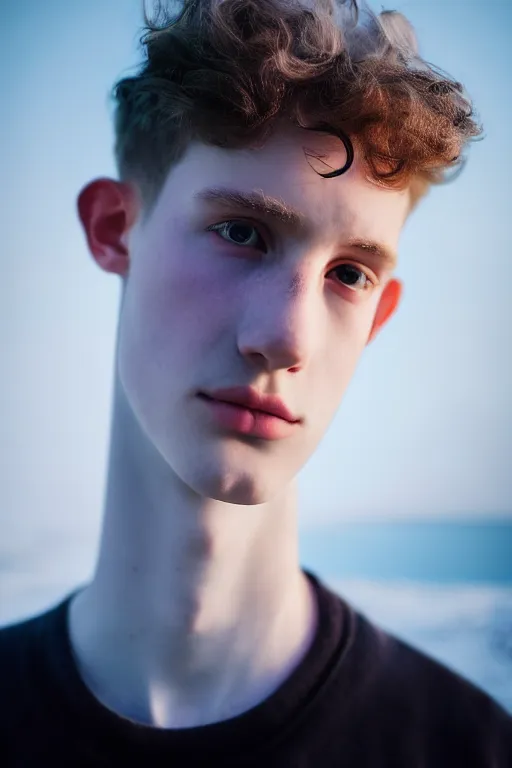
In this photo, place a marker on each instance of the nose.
(279, 323)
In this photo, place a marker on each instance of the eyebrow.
(277, 209)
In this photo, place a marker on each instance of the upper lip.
(256, 401)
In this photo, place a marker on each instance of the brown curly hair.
(225, 71)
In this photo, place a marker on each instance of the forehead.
(347, 206)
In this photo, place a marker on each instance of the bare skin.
(198, 609)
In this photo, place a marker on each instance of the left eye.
(239, 233)
(355, 277)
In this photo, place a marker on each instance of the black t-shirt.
(360, 698)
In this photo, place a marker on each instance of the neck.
(198, 609)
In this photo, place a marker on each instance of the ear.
(388, 303)
(108, 210)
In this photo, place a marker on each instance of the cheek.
(179, 298)
(339, 357)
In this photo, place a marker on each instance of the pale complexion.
(198, 608)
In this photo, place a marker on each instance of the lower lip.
(245, 421)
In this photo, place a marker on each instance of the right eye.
(240, 233)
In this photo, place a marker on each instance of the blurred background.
(406, 508)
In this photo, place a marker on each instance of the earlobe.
(108, 210)
(388, 304)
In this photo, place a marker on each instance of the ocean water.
(444, 552)
(445, 588)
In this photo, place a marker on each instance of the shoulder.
(16, 640)
(433, 680)
(19, 650)
(26, 648)
(16, 634)
(437, 705)
(19, 674)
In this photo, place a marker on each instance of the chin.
(232, 486)
(240, 489)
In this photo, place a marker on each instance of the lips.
(254, 400)
(245, 412)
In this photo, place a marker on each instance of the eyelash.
(217, 228)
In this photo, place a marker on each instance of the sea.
(444, 587)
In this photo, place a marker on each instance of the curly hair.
(224, 72)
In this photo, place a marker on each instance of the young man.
(269, 154)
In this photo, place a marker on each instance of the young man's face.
(283, 308)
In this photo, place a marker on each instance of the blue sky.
(425, 428)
